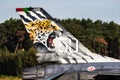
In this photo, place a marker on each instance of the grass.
(2, 77)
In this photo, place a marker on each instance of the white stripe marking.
(23, 13)
(41, 14)
(33, 14)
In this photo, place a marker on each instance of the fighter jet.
(58, 46)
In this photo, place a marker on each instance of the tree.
(14, 35)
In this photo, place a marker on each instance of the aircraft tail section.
(30, 14)
(53, 42)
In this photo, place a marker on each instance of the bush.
(12, 64)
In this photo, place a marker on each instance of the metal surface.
(52, 71)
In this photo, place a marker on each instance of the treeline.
(96, 35)
(17, 51)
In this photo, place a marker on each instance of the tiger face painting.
(43, 32)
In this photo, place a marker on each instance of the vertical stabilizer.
(53, 42)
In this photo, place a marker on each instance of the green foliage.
(85, 30)
(13, 64)
(8, 36)
(3, 77)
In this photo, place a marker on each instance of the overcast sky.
(105, 10)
